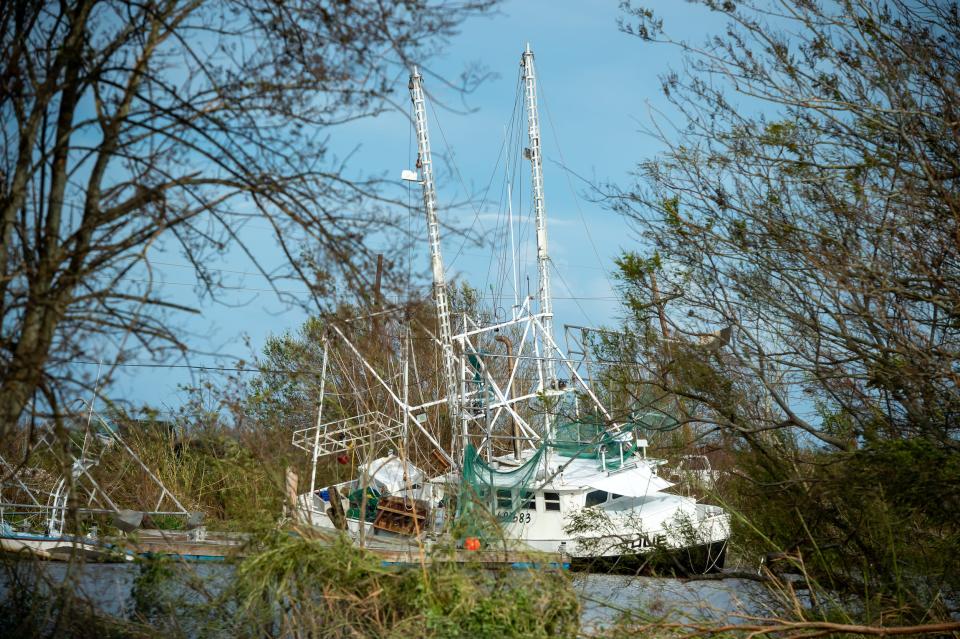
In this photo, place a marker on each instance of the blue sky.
(599, 88)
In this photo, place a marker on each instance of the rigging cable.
(563, 281)
(506, 190)
(576, 200)
(466, 191)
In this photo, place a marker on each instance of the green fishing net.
(494, 494)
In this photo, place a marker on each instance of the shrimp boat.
(509, 446)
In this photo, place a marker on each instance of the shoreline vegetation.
(293, 583)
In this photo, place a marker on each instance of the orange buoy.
(471, 543)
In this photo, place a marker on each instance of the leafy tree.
(808, 202)
(811, 203)
(172, 123)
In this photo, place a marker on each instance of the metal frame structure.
(347, 434)
(99, 436)
(487, 413)
(471, 416)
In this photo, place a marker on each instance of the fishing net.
(491, 496)
(589, 437)
(654, 420)
(494, 495)
(591, 440)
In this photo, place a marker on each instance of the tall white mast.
(536, 171)
(425, 164)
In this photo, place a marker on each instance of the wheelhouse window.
(596, 497)
(529, 500)
(551, 501)
(504, 499)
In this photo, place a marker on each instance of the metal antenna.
(425, 164)
(513, 253)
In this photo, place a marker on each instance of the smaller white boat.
(34, 504)
(60, 547)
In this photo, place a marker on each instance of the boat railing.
(350, 433)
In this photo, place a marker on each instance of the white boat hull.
(60, 548)
(621, 527)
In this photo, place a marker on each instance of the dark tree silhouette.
(798, 293)
(132, 125)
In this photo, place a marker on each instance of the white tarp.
(631, 482)
(386, 473)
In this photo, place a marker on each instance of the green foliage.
(671, 212)
(782, 134)
(878, 523)
(294, 586)
(286, 390)
(151, 599)
(237, 481)
(909, 472)
(634, 268)
(816, 162)
(319, 588)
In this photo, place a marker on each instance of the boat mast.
(316, 435)
(425, 164)
(536, 172)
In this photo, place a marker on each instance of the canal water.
(604, 598)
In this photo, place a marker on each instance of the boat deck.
(397, 551)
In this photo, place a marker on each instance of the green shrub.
(312, 587)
